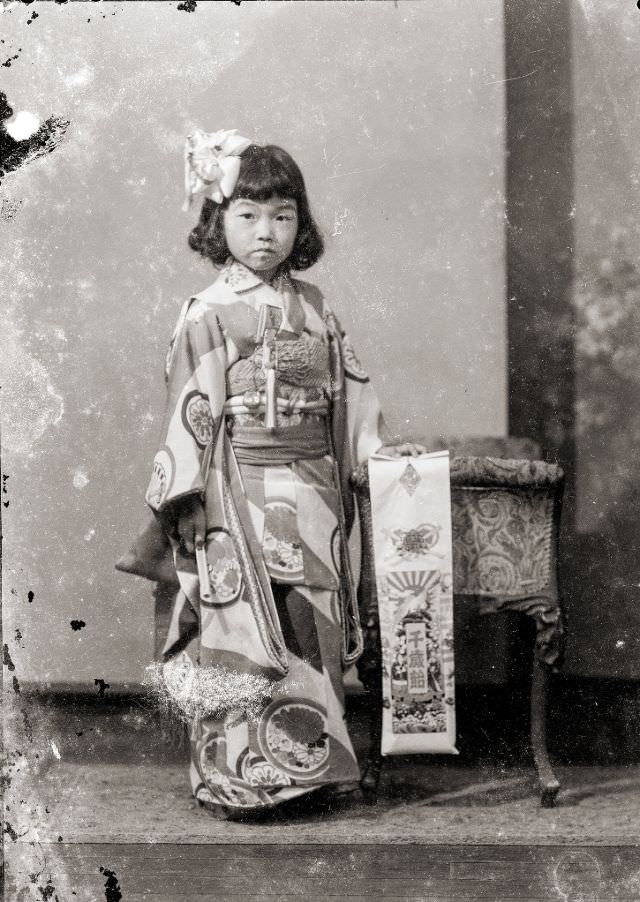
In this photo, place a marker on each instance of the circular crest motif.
(225, 574)
(352, 366)
(161, 477)
(293, 736)
(257, 771)
(281, 542)
(197, 417)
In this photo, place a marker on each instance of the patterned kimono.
(279, 509)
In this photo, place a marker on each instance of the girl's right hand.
(192, 523)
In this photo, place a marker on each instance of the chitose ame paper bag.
(411, 511)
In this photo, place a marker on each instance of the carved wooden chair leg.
(371, 678)
(371, 774)
(549, 784)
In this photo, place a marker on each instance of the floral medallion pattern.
(411, 544)
(294, 737)
(255, 770)
(225, 574)
(197, 417)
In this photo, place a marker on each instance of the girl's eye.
(246, 215)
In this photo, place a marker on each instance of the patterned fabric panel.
(298, 741)
(489, 471)
(501, 541)
(301, 362)
(295, 512)
(485, 471)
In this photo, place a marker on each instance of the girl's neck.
(270, 276)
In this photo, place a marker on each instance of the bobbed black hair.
(265, 172)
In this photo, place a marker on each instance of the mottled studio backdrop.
(396, 116)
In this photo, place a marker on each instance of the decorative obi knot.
(301, 362)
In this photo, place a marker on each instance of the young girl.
(268, 413)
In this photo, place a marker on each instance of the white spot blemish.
(54, 749)
(339, 223)
(22, 125)
(86, 287)
(366, 131)
(80, 479)
(89, 535)
(620, 643)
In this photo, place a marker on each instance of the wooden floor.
(203, 873)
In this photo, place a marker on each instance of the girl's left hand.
(406, 449)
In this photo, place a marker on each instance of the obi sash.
(282, 445)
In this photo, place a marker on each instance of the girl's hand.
(192, 523)
(406, 449)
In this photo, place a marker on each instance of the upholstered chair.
(506, 505)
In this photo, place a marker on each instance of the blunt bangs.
(266, 172)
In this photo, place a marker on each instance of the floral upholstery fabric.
(496, 471)
(501, 541)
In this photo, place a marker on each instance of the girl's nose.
(263, 229)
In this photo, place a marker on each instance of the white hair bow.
(212, 164)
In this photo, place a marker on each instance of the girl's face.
(261, 234)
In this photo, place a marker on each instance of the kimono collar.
(240, 278)
(282, 293)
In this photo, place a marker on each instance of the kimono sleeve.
(351, 385)
(195, 398)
